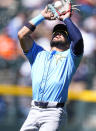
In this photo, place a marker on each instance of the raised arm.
(74, 34)
(24, 35)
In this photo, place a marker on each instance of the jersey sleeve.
(73, 62)
(76, 59)
(32, 53)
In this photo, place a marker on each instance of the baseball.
(58, 4)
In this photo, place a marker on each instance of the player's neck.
(57, 49)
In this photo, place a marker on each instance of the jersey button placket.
(44, 79)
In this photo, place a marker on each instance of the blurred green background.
(15, 69)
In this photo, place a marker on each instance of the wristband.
(37, 20)
(30, 26)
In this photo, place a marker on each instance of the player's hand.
(48, 14)
(63, 17)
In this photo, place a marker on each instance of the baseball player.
(51, 71)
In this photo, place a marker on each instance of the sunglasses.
(64, 33)
(58, 32)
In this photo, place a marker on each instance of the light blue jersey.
(51, 73)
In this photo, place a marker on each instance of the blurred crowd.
(14, 67)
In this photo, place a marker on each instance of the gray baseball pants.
(45, 119)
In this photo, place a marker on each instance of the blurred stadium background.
(15, 81)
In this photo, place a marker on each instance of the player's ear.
(69, 40)
(67, 43)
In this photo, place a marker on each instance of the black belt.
(48, 104)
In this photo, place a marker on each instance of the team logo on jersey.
(59, 57)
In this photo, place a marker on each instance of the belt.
(47, 104)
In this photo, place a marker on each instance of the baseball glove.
(62, 7)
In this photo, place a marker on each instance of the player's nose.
(58, 35)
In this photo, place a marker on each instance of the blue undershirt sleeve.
(75, 36)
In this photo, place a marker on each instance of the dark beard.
(60, 45)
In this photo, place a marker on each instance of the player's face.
(57, 37)
(60, 41)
